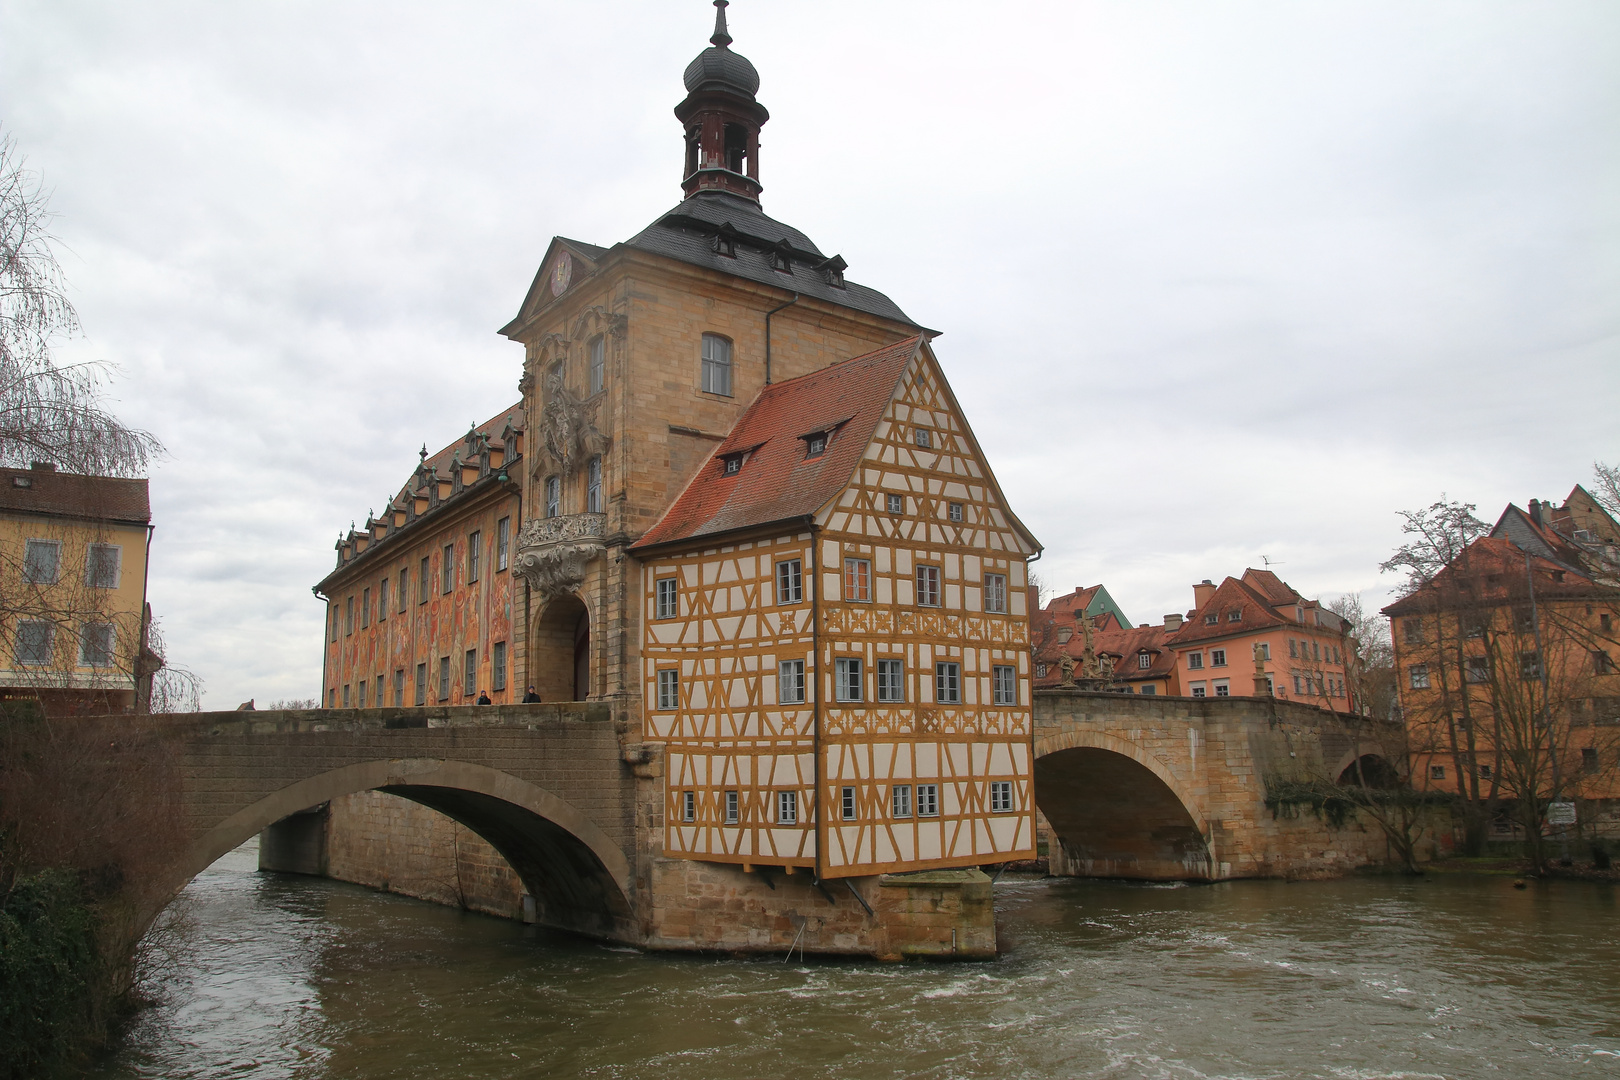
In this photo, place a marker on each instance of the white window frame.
(789, 581)
(598, 363)
(954, 511)
(1143, 661)
(1222, 687)
(688, 806)
(1195, 661)
(891, 681)
(1004, 684)
(849, 679)
(109, 632)
(863, 572)
(1217, 658)
(846, 803)
(927, 800)
(948, 682)
(382, 599)
(731, 808)
(716, 365)
(593, 485)
(90, 578)
(1001, 796)
(1418, 676)
(787, 807)
(900, 801)
(790, 682)
(995, 594)
(475, 544)
(43, 649)
(553, 496)
(669, 689)
(497, 666)
(503, 543)
(1199, 689)
(666, 598)
(923, 437)
(928, 586)
(447, 570)
(34, 572)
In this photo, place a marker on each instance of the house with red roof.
(835, 634)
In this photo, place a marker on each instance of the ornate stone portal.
(552, 553)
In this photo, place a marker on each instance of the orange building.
(1130, 659)
(422, 608)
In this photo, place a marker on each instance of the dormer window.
(781, 261)
(1143, 661)
(833, 271)
(1211, 619)
(731, 464)
(725, 242)
(1234, 616)
(815, 445)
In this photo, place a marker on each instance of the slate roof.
(96, 498)
(777, 482)
(688, 234)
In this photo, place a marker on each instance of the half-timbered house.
(836, 646)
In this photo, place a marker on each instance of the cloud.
(1217, 283)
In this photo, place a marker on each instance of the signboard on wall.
(1561, 813)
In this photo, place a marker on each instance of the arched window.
(737, 148)
(716, 365)
(598, 364)
(593, 486)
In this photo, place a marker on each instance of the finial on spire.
(424, 451)
(720, 39)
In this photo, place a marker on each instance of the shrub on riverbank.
(51, 999)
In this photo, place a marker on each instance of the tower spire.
(720, 39)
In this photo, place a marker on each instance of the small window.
(995, 593)
(1151, 689)
(846, 803)
(423, 576)
(1293, 648)
(1223, 688)
(102, 565)
(716, 365)
(1211, 619)
(948, 682)
(365, 608)
(348, 616)
(815, 445)
(503, 544)
(347, 696)
(447, 569)
(891, 681)
(360, 695)
(897, 504)
(781, 262)
(1000, 796)
(1200, 689)
(399, 688)
(669, 689)
(42, 562)
(1589, 759)
(1529, 665)
(1417, 675)
(927, 800)
(1234, 616)
(1005, 684)
(1217, 658)
(1485, 772)
(444, 678)
(1602, 663)
(1144, 661)
(1040, 670)
(731, 464)
(789, 582)
(848, 684)
(924, 438)
(593, 485)
(469, 674)
(900, 801)
(731, 808)
(96, 645)
(688, 806)
(336, 618)
(1316, 650)
(1264, 652)
(553, 496)
(474, 543)
(1412, 631)
(34, 641)
(928, 586)
(1476, 670)
(668, 599)
(382, 600)
(598, 351)
(954, 510)
(1605, 623)
(787, 807)
(497, 666)
(1437, 772)
(1195, 660)
(790, 682)
(421, 684)
(858, 580)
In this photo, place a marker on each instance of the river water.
(1453, 976)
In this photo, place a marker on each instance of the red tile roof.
(98, 498)
(1491, 571)
(777, 482)
(1123, 645)
(1071, 604)
(1255, 612)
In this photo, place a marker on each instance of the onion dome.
(718, 68)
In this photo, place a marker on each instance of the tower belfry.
(721, 118)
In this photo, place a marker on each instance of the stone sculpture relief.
(552, 553)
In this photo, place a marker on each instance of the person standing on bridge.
(483, 698)
(531, 698)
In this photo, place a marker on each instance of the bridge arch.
(580, 878)
(1118, 811)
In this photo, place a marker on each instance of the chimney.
(1172, 623)
(1202, 592)
(1535, 511)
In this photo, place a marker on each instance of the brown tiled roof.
(1255, 609)
(1490, 571)
(98, 498)
(1072, 604)
(777, 482)
(1122, 644)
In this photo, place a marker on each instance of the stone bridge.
(544, 784)
(1173, 788)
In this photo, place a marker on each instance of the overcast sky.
(1218, 282)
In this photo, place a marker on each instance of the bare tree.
(49, 412)
(1606, 486)
(1369, 658)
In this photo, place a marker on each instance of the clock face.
(561, 271)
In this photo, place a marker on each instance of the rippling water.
(1454, 977)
